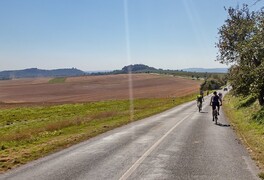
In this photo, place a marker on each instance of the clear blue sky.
(109, 34)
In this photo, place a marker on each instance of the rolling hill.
(34, 72)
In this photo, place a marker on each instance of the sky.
(97, 35)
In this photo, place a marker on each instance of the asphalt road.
(180, 143)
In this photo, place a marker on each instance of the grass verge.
(29, 133)
(242, 113)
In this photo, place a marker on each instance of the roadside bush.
(247, 101)
(259, 116)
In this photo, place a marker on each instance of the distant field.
(93, 88)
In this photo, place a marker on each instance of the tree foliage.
(214, 82)
(241, 43)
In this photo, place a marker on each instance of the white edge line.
(143, 157)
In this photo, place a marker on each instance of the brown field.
(93, 88)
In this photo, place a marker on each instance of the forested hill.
(137, 68)
(141, 68)
(34, 72)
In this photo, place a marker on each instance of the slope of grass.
(32, 132)
(57, 80)
(247, 119)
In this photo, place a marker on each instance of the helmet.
(215, 93)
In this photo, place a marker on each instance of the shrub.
(259, 116)
(247, 102)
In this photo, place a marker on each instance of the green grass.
(57, 80)
(29, 133)
(248, 121)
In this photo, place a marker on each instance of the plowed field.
(94, 88)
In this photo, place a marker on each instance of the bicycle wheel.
(216, 118)
(214, 115)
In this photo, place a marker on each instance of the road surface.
(180, 143)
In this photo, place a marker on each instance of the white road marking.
(143, 157)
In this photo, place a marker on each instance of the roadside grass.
(29, 133)
(246, 117)
(57, 80)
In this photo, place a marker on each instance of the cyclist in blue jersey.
(216, 101)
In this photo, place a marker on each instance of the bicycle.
(199, 105)
(215, 115)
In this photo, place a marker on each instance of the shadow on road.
(223, 125)
(203, 112)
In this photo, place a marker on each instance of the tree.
(211, 84)
(241, 43)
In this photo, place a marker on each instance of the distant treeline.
(211, 80)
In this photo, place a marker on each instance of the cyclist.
(200, 100)
(220, 96)
(202, 93)
(221, 99)
(215, 102)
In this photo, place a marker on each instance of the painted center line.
(143, 157)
